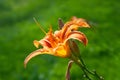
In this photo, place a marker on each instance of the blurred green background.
(18, 30)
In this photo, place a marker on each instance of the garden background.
(18, 30)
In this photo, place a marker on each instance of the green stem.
(77, 61)
(82, 65)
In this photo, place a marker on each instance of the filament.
(39, 25)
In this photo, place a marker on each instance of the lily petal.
(80, 22)
(77, 35)
(36, 43)
(62, 50)
(33, 54)
(51, 38)
(74, 24)
(45, 43)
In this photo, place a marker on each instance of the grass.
(18, 30)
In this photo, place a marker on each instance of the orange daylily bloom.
(57, 43)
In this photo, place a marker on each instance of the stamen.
(50, 28)
(39, 25)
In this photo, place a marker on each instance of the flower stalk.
(87, 73)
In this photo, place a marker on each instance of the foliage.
(18, 30)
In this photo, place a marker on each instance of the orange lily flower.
(58, 43)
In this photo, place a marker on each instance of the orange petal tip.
(36, 43)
